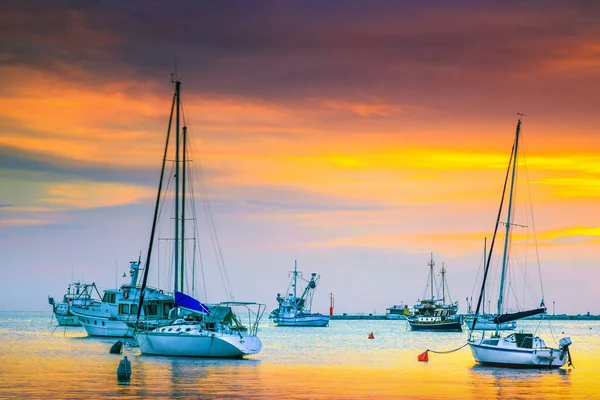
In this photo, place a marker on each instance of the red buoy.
(423, 356)
(371, 336)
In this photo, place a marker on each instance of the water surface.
(37, 361)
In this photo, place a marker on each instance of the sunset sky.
(355, 137)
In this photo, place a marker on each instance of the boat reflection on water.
(508, 383)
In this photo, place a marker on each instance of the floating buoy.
(124, 371)
(117, 347)
(371, 336)
(423, 356)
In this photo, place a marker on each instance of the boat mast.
(508, 219)
(431, 264)
(484, 265)
(295, 276)
(443, 284)
(183, 208)
(156, 207)
(176, 264)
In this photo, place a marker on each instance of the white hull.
(302, 320)
(98, 326)
(507, 354)
(203, 344)
(66, 320)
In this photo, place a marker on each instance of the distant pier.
(558, 317)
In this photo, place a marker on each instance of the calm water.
(296, 363)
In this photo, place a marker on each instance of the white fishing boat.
(517, 350)
(196, 329)
(78, 294)
(294, 310)
(110, 316)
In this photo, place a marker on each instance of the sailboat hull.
(205, 344)
(513, 357)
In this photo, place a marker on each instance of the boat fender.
(126, 293)
(117, 347)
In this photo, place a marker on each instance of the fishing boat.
(401, 311)
(434, 314)
(78, 294)
(523, 349)
(485, 321)
(195, 329)
(294, 310)
(109, 317)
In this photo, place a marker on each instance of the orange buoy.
(371, 336)
(423, 356)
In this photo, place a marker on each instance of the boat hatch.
(491, 342)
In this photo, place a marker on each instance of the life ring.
(69, 299)
(126, 293)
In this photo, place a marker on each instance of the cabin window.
(134, 309)
(491, 342)
(167, 308)
(123, 308)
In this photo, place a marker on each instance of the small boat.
(517, 350)
(78, 294)
(397, 312)
(434, 314)
(195, 329)
(294, 310)
(110, 316)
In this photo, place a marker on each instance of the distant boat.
(78, 294)
(401, 311)
(119, 306)
(517, 350)
(294, 310)
(196, 330)
(434, 314)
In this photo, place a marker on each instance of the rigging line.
(486, 270)
(448, 351)
(156, 207)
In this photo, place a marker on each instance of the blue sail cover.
(185, 301)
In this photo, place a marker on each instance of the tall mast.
(295, 276)
(176, 264)
(431, 264)
(183, 167)
(443, 284)
(508, 218)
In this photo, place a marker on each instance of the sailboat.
(485, 321)
(196, 329)
(517, 350)
(434, 314)
(294, 310)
